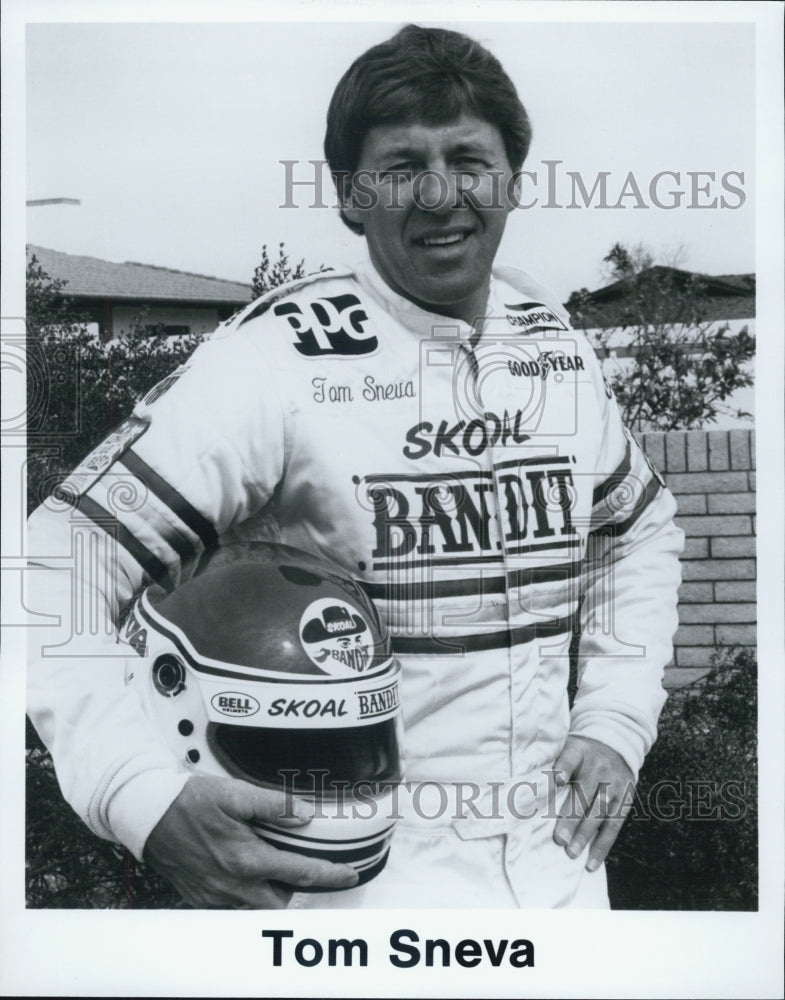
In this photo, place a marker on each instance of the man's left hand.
(595, 809)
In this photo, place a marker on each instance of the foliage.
(692, 845)
(623, 261)
(682, 367)
(48, 310)
(78, 388)
(66, 866)
(270, 274)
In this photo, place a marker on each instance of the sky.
(171, 135)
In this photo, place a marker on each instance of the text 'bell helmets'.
(273, 666)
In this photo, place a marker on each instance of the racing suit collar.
(418, 320)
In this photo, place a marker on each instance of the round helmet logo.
(336, 637)
(168, 675)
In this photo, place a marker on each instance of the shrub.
(66, 866)
(82, 389)
(692, 844)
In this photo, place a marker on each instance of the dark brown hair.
(421, 74)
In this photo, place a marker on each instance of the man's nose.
(437, 190)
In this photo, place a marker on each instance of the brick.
(719, 457)
(676, 451)
(732, 548)
(693, 503)
(681, 677)
(717, 614)
(740, 449)
(697, 451)
(654, 446)
(719, 569)
(752, 478)
(720, 524)
(697, 593)
(731, 503)
(737, 635)
(691, 656)
(752, 450)
(696, 548)
(707, 482)
(694, 635)
(735, 590)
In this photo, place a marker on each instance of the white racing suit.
(484, 491)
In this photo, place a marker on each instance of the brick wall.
(712, 476)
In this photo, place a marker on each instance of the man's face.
(433, 202)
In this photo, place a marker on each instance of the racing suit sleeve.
(203, 451)
(629, 591)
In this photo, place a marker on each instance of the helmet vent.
(168, 675)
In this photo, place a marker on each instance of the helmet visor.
(309, 761)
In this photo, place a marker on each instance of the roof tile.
(90, 277)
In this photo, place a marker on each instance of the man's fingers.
(298, 870)
(603, 842)
(583, 834)
(568, 761)
(575, 807)
(248, 803)
(566, 826)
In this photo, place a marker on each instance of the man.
(439, 431)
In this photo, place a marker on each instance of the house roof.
(723, 297)
(92, 278)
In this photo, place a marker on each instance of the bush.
(84, 389)
(66, 866)
(683, 368)
(691, 840)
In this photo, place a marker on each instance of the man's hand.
(205, 845)
(595, 809)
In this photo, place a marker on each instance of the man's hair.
(429, 75)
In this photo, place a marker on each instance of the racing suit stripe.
(618, 528)
(543, 574)
(615, 479)
(169, 496)
(457, 644)
(150, 563)
(430, 589)
(415, 591)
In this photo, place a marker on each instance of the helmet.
(273, 666)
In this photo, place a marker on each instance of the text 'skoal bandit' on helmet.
(273, 666)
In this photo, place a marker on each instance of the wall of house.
(199, 319)
(712, 476)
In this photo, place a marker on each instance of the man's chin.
(448, 294)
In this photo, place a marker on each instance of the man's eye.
(399, 171)
(470, 166)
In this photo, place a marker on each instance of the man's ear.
(350, 213)
(514, 195)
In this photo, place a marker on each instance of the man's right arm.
(144, 505)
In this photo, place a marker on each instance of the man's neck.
(472, 310)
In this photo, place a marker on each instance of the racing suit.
(480, 486)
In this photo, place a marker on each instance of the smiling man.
(431, 424)
(432, 235)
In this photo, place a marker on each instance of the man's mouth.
(447, 239)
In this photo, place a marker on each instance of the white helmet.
(273, 666)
